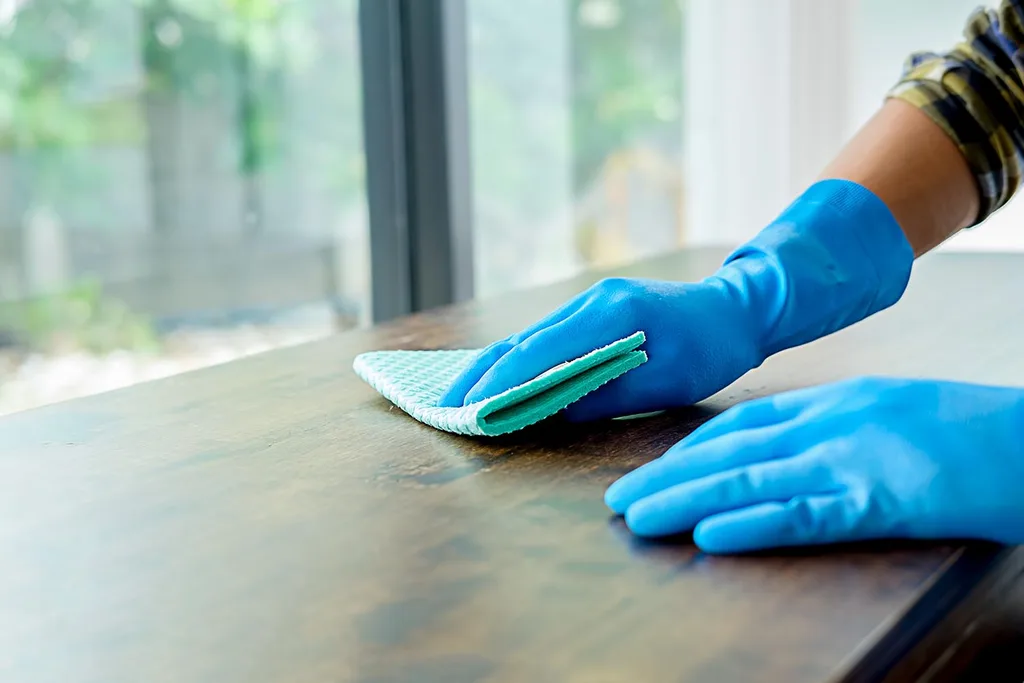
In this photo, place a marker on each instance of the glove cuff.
(864, 220)
(835, 256)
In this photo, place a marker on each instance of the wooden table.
(274, 520)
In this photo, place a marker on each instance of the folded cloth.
(415, 380)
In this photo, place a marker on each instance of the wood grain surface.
(273, 520)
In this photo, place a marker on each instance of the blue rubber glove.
(835, 256)
(862, 459)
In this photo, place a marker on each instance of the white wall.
(775, 86)
(885, 33)
(767, 83)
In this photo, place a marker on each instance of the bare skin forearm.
(912, 166)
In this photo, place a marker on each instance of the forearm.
(914, 167)
(973, 94)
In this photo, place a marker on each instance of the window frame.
(418, 172)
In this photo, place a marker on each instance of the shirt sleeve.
(975, 93)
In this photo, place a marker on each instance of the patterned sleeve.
(975, 92)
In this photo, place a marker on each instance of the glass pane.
(576, 135)
(180, 184)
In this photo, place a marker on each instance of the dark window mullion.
(417, 153)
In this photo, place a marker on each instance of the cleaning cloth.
(415, 380)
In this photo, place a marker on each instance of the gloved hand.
(835, 256)
(862, 459)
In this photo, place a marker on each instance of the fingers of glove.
(455, 395)
(717, 456)
(680, 508)
(761, 412)
(569, 339)
(804, 520)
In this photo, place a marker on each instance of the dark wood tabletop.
(273, 520)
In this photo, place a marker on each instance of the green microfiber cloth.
(415, 381)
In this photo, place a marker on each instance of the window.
(181, 183)
(576, 110)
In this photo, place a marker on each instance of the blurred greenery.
(627, 81)
(559, 90)
(79, 318)
(78, 76)
(199, 49)
(625, 88)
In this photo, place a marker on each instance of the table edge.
(906, 646)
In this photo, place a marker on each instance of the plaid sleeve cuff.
(996, 169)
(976, 95)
